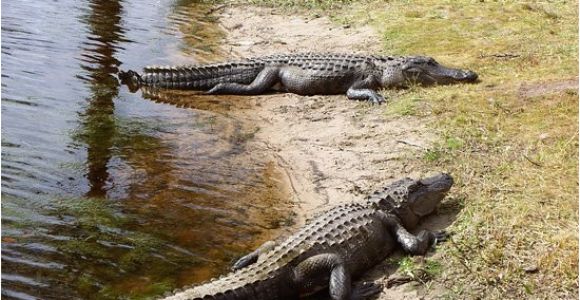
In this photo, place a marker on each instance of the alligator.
(359, 76)
(333, 248)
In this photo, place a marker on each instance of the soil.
(328, 149)
(540, 89)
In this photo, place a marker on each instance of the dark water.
(106, 195)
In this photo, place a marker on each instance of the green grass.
(514, 157)
(419, 269)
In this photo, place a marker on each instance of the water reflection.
(106, 195)
(98, 122)
(195, 100)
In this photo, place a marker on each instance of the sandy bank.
(330, 149)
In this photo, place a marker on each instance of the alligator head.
(413, 199)
(426, 71)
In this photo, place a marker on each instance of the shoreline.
(327, 149)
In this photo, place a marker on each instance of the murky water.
(106, 195)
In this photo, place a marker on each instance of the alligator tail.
(131, 79)
(202, 77)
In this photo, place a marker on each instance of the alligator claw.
(366, 290)
(440, 236)
(378, 99)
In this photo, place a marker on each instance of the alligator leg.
(364, 90)
(264, 81)
(416, 244)
(413, 244)
(310, 272)
(364, 94)
(253, 257)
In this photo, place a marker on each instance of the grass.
(304, 4)
(514, 154)
(515, 158)
(422, 270)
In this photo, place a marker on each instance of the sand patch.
(256, 31)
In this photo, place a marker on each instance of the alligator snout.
(441, 182)
(469, 76)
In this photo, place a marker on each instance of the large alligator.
(334, 247)
(359, 76)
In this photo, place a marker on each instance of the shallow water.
(105, 194)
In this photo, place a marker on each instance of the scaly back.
(335, 230)
(206, 76)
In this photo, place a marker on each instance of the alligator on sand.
(330, 250)
(357, 76)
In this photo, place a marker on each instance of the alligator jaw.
(426, 71)
(444, 75)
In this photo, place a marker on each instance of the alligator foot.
(365, 95)
(377, 99)
(440, 236)
(253, 256)
(366, 290)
